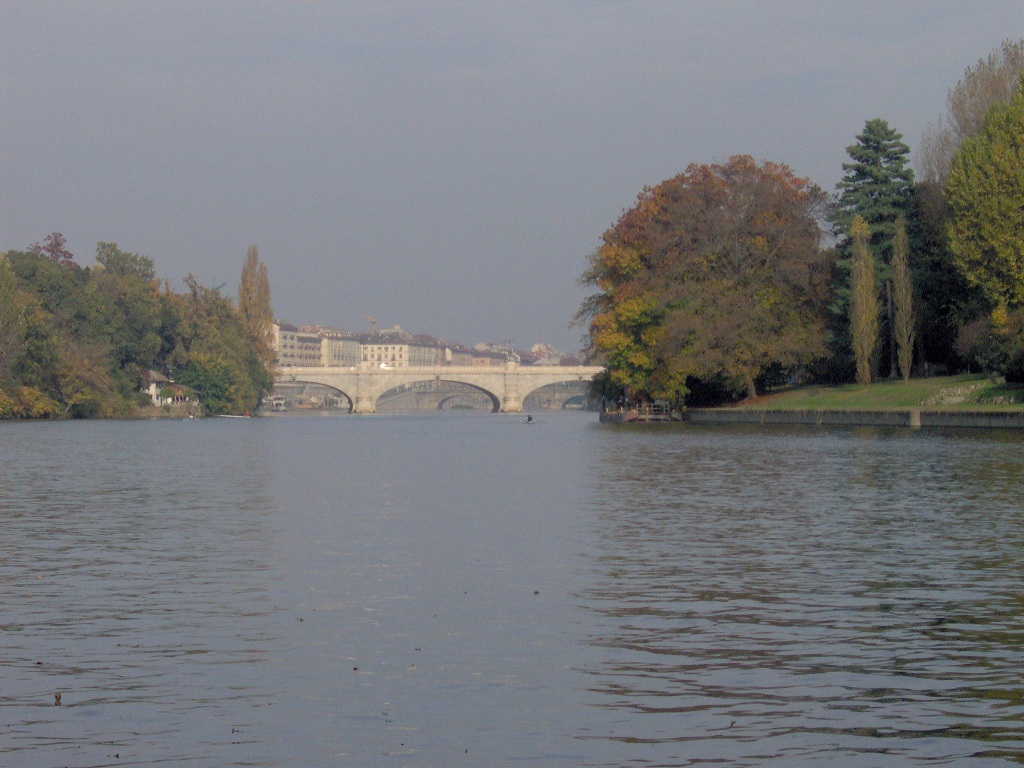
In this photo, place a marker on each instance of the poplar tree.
(903, 299)
(254, 308)
(863, 300)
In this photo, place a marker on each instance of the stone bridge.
(506, 385)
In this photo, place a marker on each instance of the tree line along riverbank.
(81, 341)
(733, 279)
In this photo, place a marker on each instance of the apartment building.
(339, 349)
(295, 346)
(389, 352)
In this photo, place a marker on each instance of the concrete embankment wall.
(979, 419)
(905, 418)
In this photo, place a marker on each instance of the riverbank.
(968, 401)
(955, 393)
(182, 411)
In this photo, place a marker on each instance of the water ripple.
(807, 595)
(422, 590)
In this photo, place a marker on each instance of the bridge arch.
(496, 401)
(555, 394)
(439, 378)
(313, 380)
(444, 403)
(410, 390)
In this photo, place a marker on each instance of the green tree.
(716, 274)
(123, 264)
(126, 283)
(877, 185)
(62, 374)
(904, 324)
(215, 381)
(12, 319)
(75, 342)
(67, 358)
(213, 348)
(38, 365)
(947, 303)
(944, 301)
(985, 194)
(59, 287)
(863, 301)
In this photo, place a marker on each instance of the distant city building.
(456, 354)
(387, 355)
(296, 347)
(487, 358)
(318, 346)
(340, 352)
(544, 354)
(338, 349)
(393, 348)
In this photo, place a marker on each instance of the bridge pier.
(512, 403)
(364, 405)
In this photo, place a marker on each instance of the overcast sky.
(443, 166)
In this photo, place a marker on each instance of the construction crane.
(373, 325)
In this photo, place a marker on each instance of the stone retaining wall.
(914, 417)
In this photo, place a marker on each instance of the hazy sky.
(443, 166)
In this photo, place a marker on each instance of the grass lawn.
(945, 393)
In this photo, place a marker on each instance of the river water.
(464, 589)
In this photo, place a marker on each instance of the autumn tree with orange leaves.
(716, 275)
